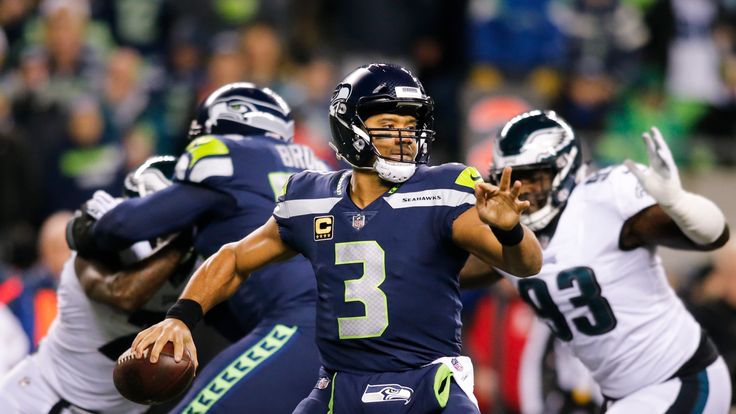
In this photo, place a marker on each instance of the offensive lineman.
(225, 185)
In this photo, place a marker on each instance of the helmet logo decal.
(545, 138)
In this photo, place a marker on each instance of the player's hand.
(100, 203)
(661, 178)
(168, 330)
(500, 206)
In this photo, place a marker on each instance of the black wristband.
(509, 237)
(188, 311)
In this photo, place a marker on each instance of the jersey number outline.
(365, 289)
(603, 320)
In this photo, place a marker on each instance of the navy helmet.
(371, 90)
(242, 108)
(540, 140)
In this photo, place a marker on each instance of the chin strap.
(394, 171)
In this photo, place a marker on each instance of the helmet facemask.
(414, 143)
(539, 144)
(381, 89)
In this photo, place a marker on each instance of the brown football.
(145, 383)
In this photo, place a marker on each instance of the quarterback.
(387, 240)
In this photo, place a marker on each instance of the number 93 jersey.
(614, 308)
(387, 275)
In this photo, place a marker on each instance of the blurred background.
(91, 88)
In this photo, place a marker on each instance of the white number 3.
(364, 289)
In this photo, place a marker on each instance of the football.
(143, 382)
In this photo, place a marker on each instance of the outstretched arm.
(492, 231)
(214, 281)
(680, 219)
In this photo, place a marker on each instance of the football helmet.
(244, 109)
(375, 89)
(540, 140)
(153, 175)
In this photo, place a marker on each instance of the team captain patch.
(323, 228)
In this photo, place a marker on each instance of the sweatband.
(186, 310)
(509, 237)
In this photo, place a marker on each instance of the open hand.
(500, 206)
(168, 330)
(661, 178)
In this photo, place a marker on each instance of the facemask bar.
(422, 138)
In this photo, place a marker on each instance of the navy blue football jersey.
(252, 171)
(387, 275)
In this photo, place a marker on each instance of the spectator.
(19, 187)
(34, 299)
(88, 158)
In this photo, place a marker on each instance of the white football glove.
(661, 179)
(698, 218)
(100, 203)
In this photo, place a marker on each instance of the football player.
(101, 307)
(602, 288)
(226, 184)
(387, 239)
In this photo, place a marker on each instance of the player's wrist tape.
(186, 310)
(509, 237)
(699, 218)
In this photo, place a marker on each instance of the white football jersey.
(614, 308)
(13, 339)
(70, 354)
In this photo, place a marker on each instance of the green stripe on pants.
(240, 367)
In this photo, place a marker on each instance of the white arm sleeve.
(699, 218)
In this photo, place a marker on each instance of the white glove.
(698, 218)
(100, 203)
(661, 179)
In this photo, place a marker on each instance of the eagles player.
(602, 288)
(100, 310)
(226, 184)
(387, 240)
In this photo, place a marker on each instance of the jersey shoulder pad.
(205, 157)
(617, 187)
(453, 175)
(313, 184)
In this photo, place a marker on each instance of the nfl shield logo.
(358, 221)
(455, 363)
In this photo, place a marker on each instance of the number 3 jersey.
(614, 308)
(387, 275)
